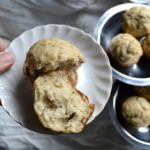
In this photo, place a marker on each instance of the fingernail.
(6, 57)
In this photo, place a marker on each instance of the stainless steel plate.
(107, 27)
(138, 137)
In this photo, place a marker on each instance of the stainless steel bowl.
(139, 1)
(139, 138)
(107, 27)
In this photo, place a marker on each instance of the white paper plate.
(94, 77)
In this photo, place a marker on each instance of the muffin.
(125, 49)
(136, 111)
(59, 106)
(136, 21)
(146, 46)
(51, 54)
(143, 92)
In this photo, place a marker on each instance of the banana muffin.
(146, 46)
(143, 91)
(136, 21)
(136, 111)
(59, 106)
(125, 49)
(51, 54)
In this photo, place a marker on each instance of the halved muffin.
(59, 106)
(51, 54)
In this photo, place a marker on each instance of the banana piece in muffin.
(51, 54)
(143, 91)
(59, 106)
(136, 111)
(136, 21)
(125, 49)
(146, 46)
(73, 76)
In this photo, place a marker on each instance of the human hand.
(6, 58)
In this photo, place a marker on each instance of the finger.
(6, 61)
(3, 45)
(5, 67)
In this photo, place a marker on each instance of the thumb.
(6, 61)
(3, 45)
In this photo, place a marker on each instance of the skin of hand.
(6, 58)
